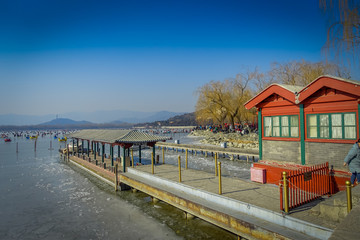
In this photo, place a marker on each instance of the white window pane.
(294, 121)
(267, 121)
(276, 121)
(276, 131)
(285, 121)
(350, 132)
(324, 132)
(267, 131)
(312, 120)
(312, 132)
(294, 131)
(336, 132)
(336, 119)
(349, 119)
(284, 131)
(324, 120)
(267, 126)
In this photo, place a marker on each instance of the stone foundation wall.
(334, 153)
(315, 153)
(282, 151)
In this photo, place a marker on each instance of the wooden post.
(152, 163)
(132, 158)
(124, 159)
(112, 155)
(163, 155)
(139, 153)
(348, 196)
(216, 164)
(73, 149)
(154, 153)
(186, 159)
(286, 193)
(94, 150)
(116, 177)
(179, 163)
(103, 152)
(220, 185)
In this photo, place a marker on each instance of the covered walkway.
(124, 139)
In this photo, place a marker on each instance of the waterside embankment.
(247, 209)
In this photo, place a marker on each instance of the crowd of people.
(240, 128)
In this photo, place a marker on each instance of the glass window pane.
(324, 120)
(336, 120)
(294, 121)
(349, 119)
(294, 131)
(312, 126)
(312, 132)
(276, 131)
(267, 125)
(284, 131)
(350, 132)
(276, 121)
(312, 120)
(276, 127)
(324, 132)
(336, 132)
(285, 121)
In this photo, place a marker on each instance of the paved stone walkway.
(262, 195)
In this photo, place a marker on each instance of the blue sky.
(66, 56)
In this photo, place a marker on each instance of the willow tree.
(303, 72)
(208, 109)
(223, 101)
(343, 31)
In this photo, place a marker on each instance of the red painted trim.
(282, 139)
(321, 82)
(320, 140)
(272, 89)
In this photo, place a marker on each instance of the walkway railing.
(305, 185)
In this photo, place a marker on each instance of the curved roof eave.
(345, 85)
(117, 136)
(286, 91)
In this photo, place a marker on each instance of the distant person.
(353, 160)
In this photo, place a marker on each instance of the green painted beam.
(302, 134)
(154, 154)
(260, 133)
(112, 155)
(124, 162)
(102, 152)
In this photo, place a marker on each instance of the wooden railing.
(306, 185)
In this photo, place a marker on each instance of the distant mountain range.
(64, 121)
(98, 117)
(187, 119)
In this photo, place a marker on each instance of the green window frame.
(331, 125)
(286, 126)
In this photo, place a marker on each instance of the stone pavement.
(349, 229)
(262, 195)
